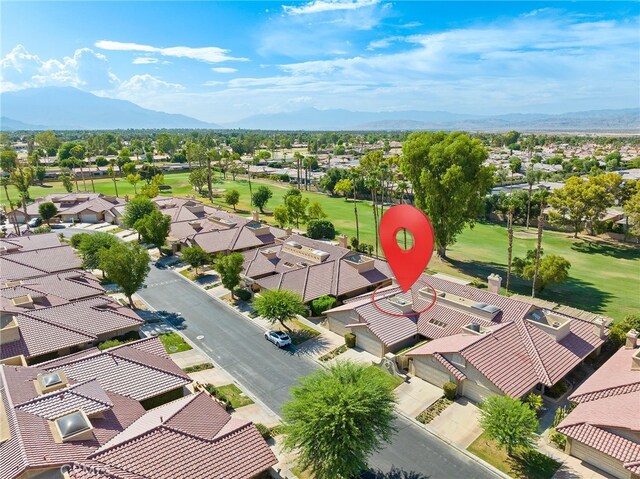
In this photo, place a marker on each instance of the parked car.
(34, 222)
(278, 338)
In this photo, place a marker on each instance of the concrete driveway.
(458, 423)
(415, 395)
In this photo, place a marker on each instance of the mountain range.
(66, 108)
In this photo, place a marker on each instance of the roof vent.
(403, 304)
(475, 328)
(74, 426)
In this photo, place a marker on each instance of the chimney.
(598, 328)
(255, 215)
(342, 241)
(495, 281)
(632, 339)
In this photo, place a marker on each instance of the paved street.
(239, 347)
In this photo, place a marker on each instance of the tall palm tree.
(355, 178)
(544, 194)
(373, 183)
(510, 211)
(532, 176)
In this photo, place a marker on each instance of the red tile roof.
(35, 263)
(607, 412)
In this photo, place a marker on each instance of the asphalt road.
(239, 347)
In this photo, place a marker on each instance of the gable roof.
(607, 410)
(20, 244)
(40, 262)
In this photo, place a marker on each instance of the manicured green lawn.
(235, 396)
(603, 278)
(174, 343)
(524, 465)
(393, 381)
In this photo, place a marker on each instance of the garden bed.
(433, 411)
(332, 354)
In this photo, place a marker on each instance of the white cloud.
(203, 54)
(320, 6)
(224, 70)
(85, 69)
(144, 60)
(147, 84)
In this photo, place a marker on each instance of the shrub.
(198, 367)
(557, 390)
(321, 229)
(41, 229)
(618, 331)
(350, 340)
(216, 393)
(78, 238)
(242, 294)
(450, 390)
(534, 401)
(558, 438)
(320, 305)
(277, 430)
(264, 431)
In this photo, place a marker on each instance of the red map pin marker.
(407, 265)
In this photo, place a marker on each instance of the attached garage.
(88, 217)
(598, 459)
(427, 369)
(337, 322)
(475, 392)
(367, 341)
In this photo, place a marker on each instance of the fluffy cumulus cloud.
(203, 54)
(85, 69)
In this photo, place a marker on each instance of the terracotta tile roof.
(233, 239)
(66, 325)
(35, 263)
(607, 410)
(215, 446)
(333, 276)
(24, 243)
(149, 369)
(515, 355)
(97, 205)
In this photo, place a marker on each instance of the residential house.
(314, 268)
(79, 207)
(483, 342)
(37, 262)
(84, 417)
(604, 428)
(37, 334)
(28, 242)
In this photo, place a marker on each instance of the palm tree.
(373, 184)
(532, 176)
(544, 194)
(112, 173)
(510, 211)
(355, 177)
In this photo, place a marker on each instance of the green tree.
(553, 269)
(134, 180)
(47, 211)
(261, 197)
(8, 160)
(67, 182)
(343, 187)
(321, 229)
(92, 245)
(532, 177)
(337, 418)
(632, 210)
(229, 268)
(198, 179)
(40, 174)
(129, 168)
(509, 422)
(150, 190)
(449, 180)
(281, 215)
(127, 265)
(279, 305)
(315, 211)
(232, 198)
(195, 256)
(619, 329)
(137, 209)
(154, 228)
(49, 141)
(296, 208)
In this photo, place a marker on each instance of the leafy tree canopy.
(508, 421)
(126, 264)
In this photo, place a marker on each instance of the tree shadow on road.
(394, 473)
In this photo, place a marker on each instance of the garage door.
(88, 218)
(368, 342)
(599, 460)
(475, 391)
(425, 371)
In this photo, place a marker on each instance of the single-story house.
(38, 262)
(604, 428)
(314, 268)
(81, 207)
(90, 415)
(28, 242)
(485, 343)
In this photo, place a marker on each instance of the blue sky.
(223, 61)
